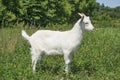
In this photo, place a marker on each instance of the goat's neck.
(78, 27)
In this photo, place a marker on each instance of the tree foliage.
(106, 13)
(44, 12)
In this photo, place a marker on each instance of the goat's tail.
(25, 35)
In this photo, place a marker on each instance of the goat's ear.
(82, 19)
(81, 14)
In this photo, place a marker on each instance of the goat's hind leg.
(34, 62)
(35, 57)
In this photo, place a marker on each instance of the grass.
(98, 57)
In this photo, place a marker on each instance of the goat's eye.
(86, 23)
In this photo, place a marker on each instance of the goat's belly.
(53, 52)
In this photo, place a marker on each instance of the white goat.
(47, 42)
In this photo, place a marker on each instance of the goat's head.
(86, 23)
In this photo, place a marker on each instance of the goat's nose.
(92, 29)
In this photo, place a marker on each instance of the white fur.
(47, 42)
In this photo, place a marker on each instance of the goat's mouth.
(92, 30)
(95, 30)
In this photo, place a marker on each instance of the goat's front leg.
(67, 58)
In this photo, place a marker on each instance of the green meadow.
(98, 57)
